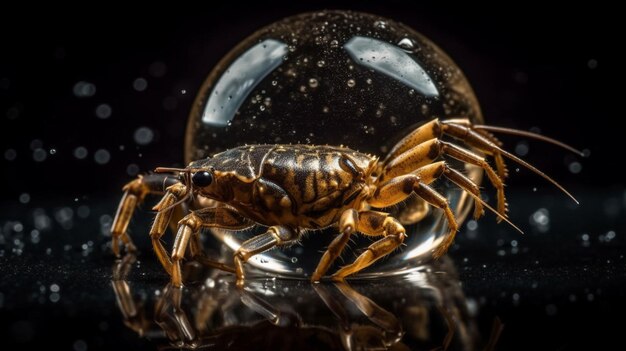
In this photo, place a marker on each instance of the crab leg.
(426, 152)
(134, 194)
(347, 226)
(374, 224)
(275, 236)
(220, 217)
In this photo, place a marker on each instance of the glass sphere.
(336, 78)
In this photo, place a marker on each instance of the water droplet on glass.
(313, 83)
(334, 44)
(321, 63)
(294, 260)
(351, 83)
(406, 44)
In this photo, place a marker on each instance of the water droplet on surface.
(157, 69)
(10, 154)
(140, 84)
(80, 345)
(551, 310)
(80, 152)
(102, 156)
(40, 155)
(313, 83)
(55, 297)
(132, 169)
(380, 24)
(84, 89)
(334, 44)
(575, 167)
(36, 144)
(521, 148)
(103, 111)
(83, 211)
(540, 219)
(24, 198)
(143, 135)
(406, 44)
(351, 83)
(321, 63)
(472, 225)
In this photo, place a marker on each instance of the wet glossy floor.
(554, 288)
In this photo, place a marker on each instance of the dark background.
(530, 66)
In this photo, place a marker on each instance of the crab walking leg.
(426, 152)
(131, 310)
(171, 317)
(378, 315)
(162, 220)
(221, 217)
(374, 224)
(433, 171)
(347, 225)
(428, 131)
(435, 130)
(275, 236)
(399, 188)
(134, 194)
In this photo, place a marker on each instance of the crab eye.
(202, 179)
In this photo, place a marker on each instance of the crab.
(294, 188)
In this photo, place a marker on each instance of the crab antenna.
(531, 135)
(540, 173)
(477, 198)
(168, 169)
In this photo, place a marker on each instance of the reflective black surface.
(556, 287)
(89, 100)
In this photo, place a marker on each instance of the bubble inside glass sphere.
(334, 78)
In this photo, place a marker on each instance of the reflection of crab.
(423, 311)
(292, 188)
